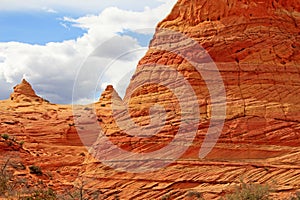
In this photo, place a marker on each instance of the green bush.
(18, 189)
(194, 194)
(5, 136)
(41, 194)
(250, 191)
(21, 143)
(166, 197)
(35, 170)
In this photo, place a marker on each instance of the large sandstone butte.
(255, 45)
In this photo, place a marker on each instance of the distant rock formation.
(23, 92)
(256, 46)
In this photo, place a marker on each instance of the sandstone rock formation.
(255, 46)
(48, 136)
(24, 92)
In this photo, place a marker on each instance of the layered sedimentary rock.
(40, 134)
(33, 116)
(255, 47)
(24, 92)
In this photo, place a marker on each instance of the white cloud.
(49, 10)
(116, 46)
(2, 59)
(65, 25)
(52, 68)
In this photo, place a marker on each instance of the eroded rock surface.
(254, 44)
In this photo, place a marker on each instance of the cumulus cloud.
(52, 68)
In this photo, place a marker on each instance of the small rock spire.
(24, 92)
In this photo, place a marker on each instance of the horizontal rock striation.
(255, 47)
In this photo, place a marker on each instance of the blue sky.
(36, 27)
(43, 27)
(48, 42)
(45, 24)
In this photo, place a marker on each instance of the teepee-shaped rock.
(23, 92)
(110, 95)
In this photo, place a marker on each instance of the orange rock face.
(49, 142)
(24, 92)
(255, 47)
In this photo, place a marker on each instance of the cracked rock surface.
(256, 47)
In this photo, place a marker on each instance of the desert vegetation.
(250, 191)
(15, 188)
(296, 196)
(12, 187)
